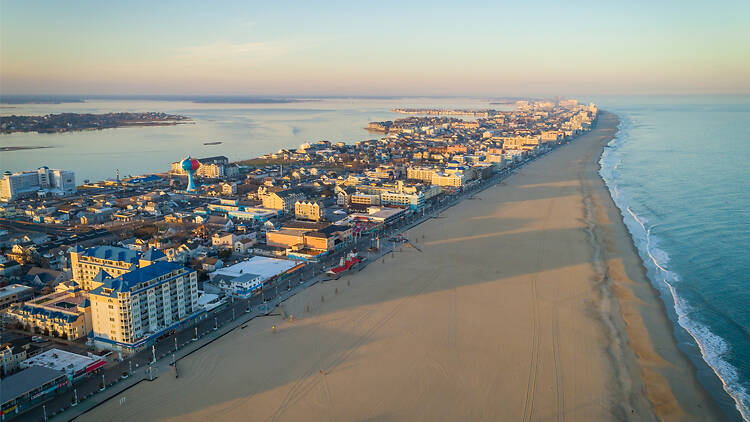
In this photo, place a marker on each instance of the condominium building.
(131, 309)
(421, 173)
(39, 182)
(308, 210)
(452, 180)
(87, 263)
(65, 313)
(281, 200)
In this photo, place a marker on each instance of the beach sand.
(528, 302)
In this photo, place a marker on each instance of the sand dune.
(507, 314)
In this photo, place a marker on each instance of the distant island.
(38, 99)
(22, 147)
(198, 99)
(447, 112)
(68, 122)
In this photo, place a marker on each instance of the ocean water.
(679, 170)
(245, 130)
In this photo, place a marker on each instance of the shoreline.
(542, 261)
(667, 376)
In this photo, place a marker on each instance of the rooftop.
(14, 289)
(112, 253)
(61, 360)
(130, 280)
(260, 265)
(27, 380)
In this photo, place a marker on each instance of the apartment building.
(281, 200)
(42, 181)
(308, 210)
(65, 313)
(131, 309)
(87, 263)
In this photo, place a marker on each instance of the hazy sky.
(375, 47)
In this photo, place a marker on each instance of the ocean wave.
(712, 347)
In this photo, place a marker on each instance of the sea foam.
(712, 347)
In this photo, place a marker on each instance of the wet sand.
(528, 302)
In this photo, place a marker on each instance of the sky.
(352, 47)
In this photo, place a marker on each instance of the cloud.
(221, 51)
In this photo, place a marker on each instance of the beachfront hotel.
(39, 182)
(133, 308)
(66, 313)
(88, 263)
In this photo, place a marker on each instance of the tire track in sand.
(528, 405)
(305, 383)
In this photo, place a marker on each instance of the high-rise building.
(87, 263)
(132, 309)
(42, 181)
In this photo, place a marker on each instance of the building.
(379, 215)
(73, 365)
(229, 188)
(13, 352)
(281, 200)
(254, 214)
(27, 388)
(87, 263)
(40, 182)
(420, 173)
(14, 293)
(133, 308)
(448, 179)
(308, 210)
(65, 313)
(247, 277)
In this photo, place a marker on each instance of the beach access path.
(524, 302)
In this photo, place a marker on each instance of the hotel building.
(65, 313)
(131, 309)
(308, 210)
(87, 263)
(42, 181)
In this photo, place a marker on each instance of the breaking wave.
(712, 347)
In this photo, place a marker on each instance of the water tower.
(190, 165)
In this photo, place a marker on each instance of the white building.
(132, 309)
(246, 277)
(40, 182)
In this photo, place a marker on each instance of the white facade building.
(42, 181)
(135, 307)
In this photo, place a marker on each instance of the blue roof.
(153, 254)
(48, 314)
(129, 280)
(113, 253)
(101, 276)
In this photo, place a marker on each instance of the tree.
(224, 254)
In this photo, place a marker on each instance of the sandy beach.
(527, 302)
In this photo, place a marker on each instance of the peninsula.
(68, 122)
